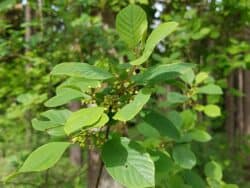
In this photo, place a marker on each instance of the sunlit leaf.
(81, 70)
(44, 157)
(131, 24)
(130, 110)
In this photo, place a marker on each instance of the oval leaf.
(212, 110)
(63, 97)
(198, 135)
(128, 164)
(210, 89)
(184, 157)
(162, 72)
(81, 70)
(162, 125)
(131, 24)
(54, 118)
(83, 118)
(158, 34)
(44, 157)
(213, 170)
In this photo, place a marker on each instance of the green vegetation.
(124, 93)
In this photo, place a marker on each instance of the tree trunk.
(40, 13)
(239, 103)
(247, 102)
(229, 107)
(27, 18)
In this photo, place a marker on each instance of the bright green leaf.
(202, 76)
(210, 89)
(101, 122)
(131, 24)
(82, 84)
(188, 76)
(63, 97)
(54, 118)
(83, 70)
(83, 118)
(213, 170)
(44, 157)
(198, 135)
(130, 110)
(158, 34)
(212, 110)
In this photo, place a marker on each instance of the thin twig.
(102, 164)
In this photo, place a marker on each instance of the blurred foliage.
(212, 34)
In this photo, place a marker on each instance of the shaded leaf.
(162, 72)
(184, 157)
(128, 163)
(162, 124)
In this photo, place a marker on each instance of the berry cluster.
(91, 138)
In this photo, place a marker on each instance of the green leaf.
(189, 118)
(192, 178)
(130, 110)
(147, 130)
(51, 119)
(213, 170)
(202, 33)
(83, 70)
(229, 186)
(44, 157)
(176, 181)
(176, 98)
(201, 77)
(212, 110)
(162, 125)
(82, 84)
(198, 135)
(56, 131)
(184, 157)
(213, 183)
(131, 24)
(128, 163)
(188, 76)
(158, 34)
(164, 165)
(6, 5)
(162, 72)
(210, 89)
(83, 118)
(64, 96)
(101, 122)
